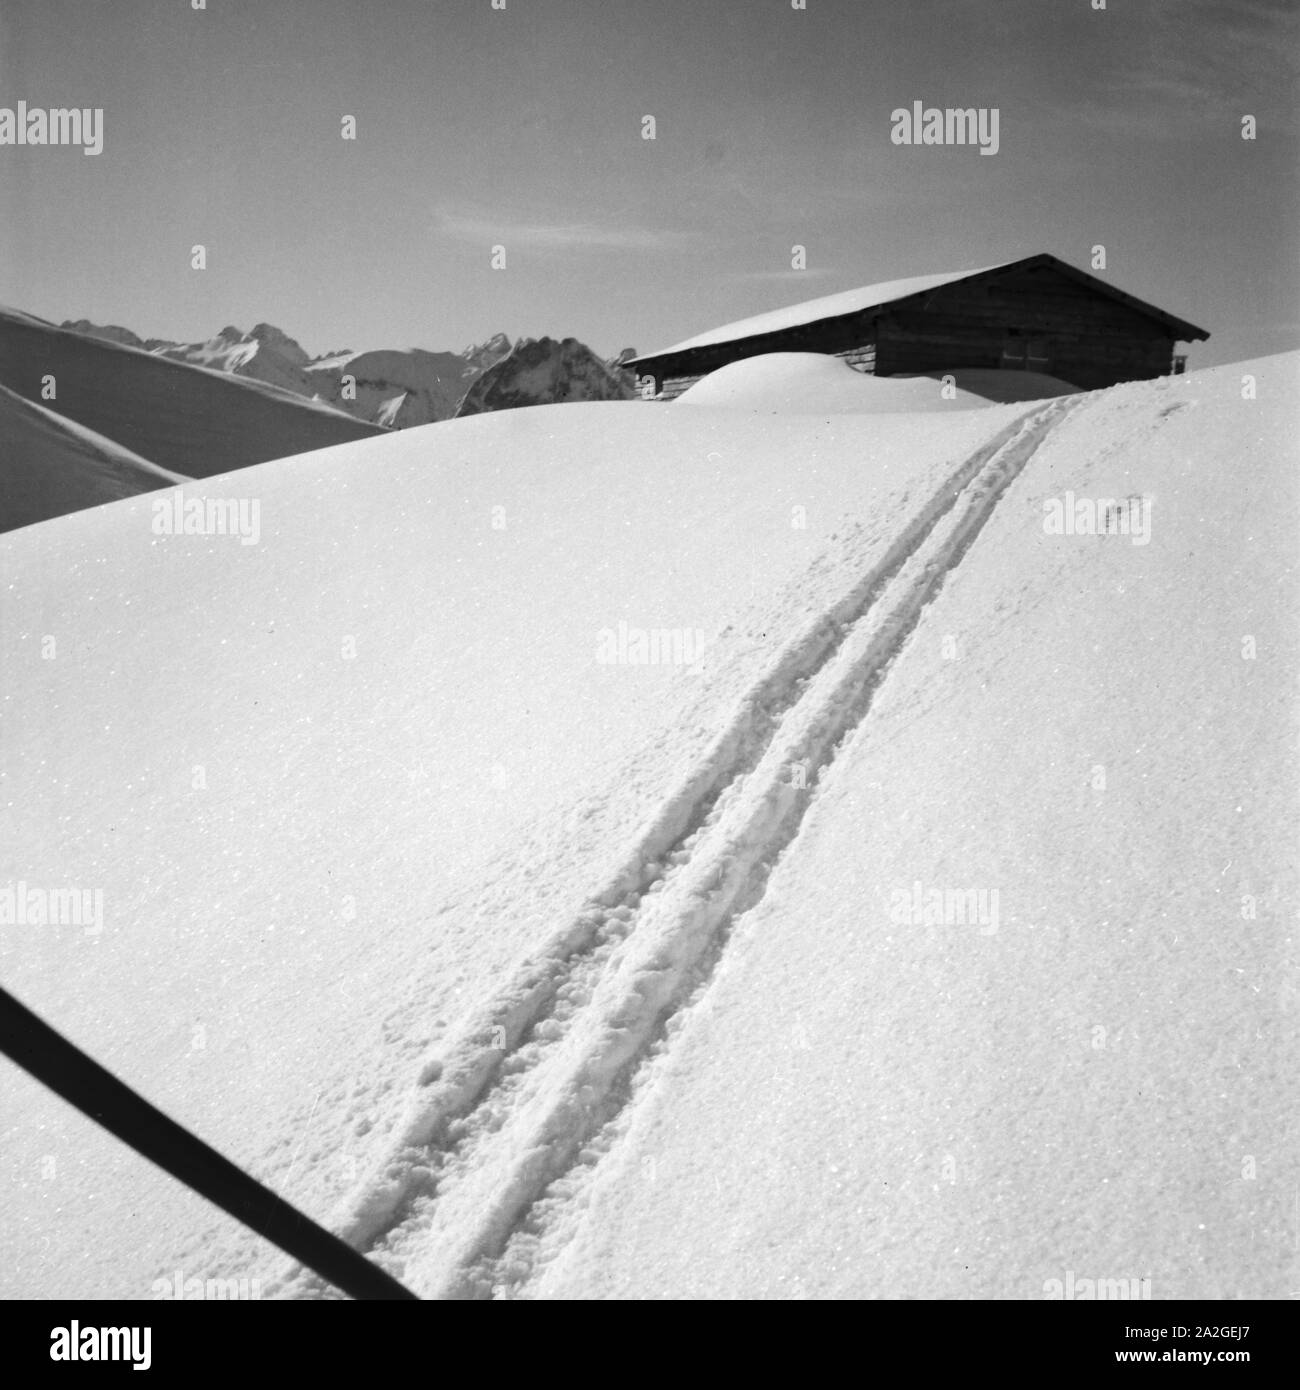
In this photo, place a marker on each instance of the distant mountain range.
(396, 388)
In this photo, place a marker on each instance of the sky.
(523, 127)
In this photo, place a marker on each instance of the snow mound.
(813, 383)
(50, 465)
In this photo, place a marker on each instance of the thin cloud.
(483, 228)
(1205, 63)
(782, 276)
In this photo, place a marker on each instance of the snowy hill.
(524, 857)
(114, 333)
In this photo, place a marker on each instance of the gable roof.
(894, 291)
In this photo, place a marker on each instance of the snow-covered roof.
(827, 307)
(891, 291)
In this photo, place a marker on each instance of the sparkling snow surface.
(340, 788)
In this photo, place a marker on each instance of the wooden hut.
(1037, 314)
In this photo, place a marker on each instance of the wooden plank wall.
(1090, 340)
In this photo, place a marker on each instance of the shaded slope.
(183, 418)
(50, 466)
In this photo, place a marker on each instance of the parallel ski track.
(547, 1062)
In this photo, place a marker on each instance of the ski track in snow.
(509, 1121)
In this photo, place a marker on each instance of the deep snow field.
(543, 971)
